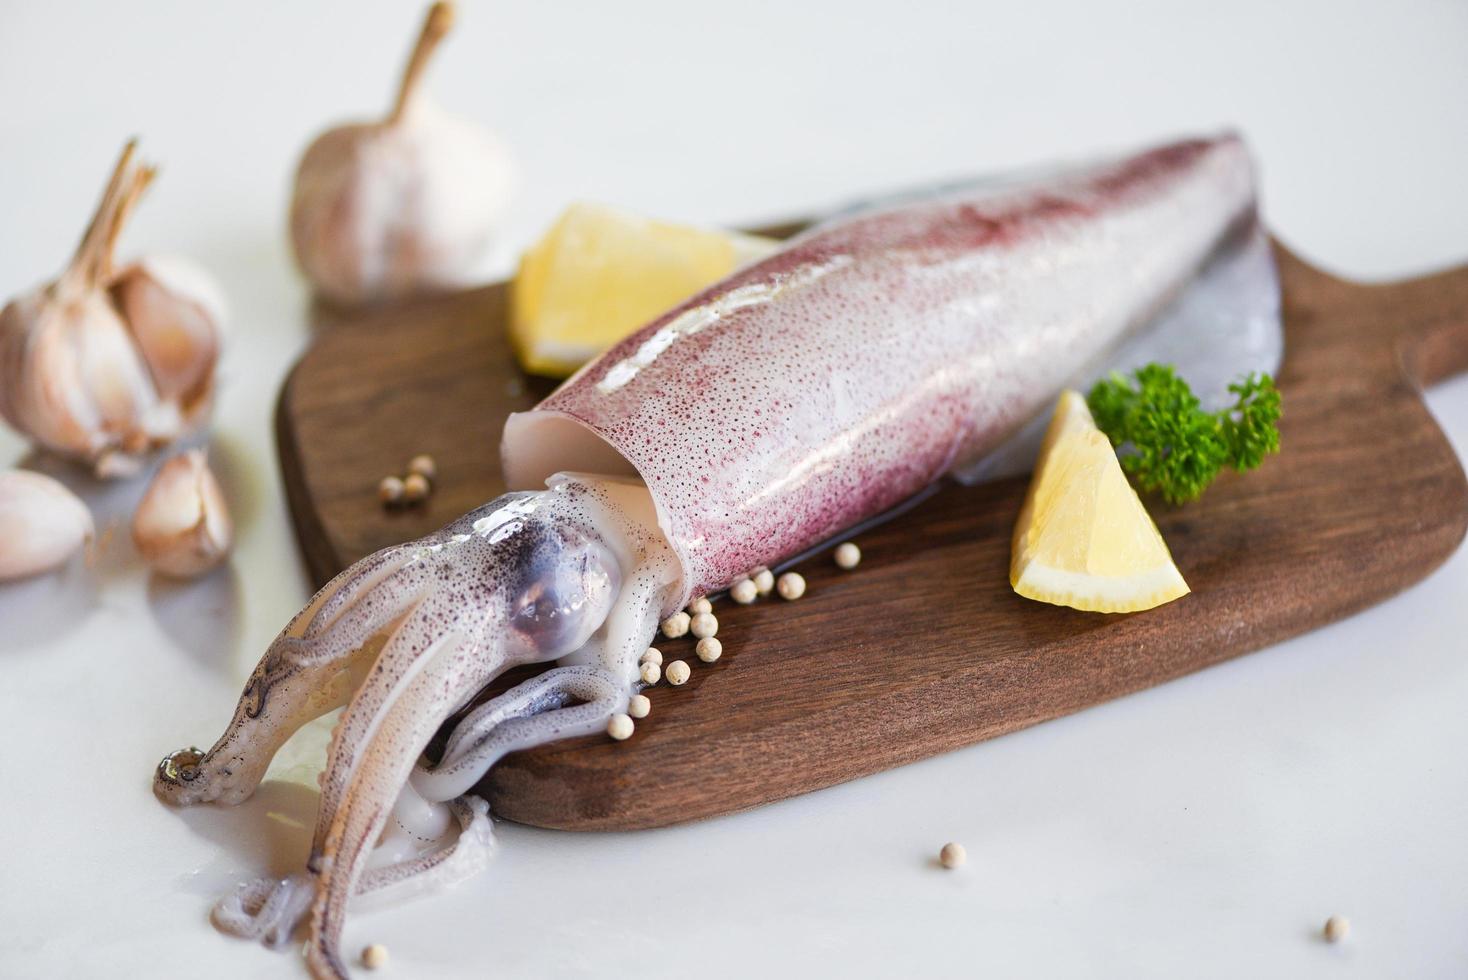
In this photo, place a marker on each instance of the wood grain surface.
(924, 648)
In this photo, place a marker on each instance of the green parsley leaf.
(1168, 444)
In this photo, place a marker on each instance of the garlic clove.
(114, 377)
(42, 524)
(182, 526)
(74, 383)
(409, 204)
(175, 312)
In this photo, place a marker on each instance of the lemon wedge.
(600, 273)
(1083, 538)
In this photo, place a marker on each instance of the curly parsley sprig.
(1169, 444)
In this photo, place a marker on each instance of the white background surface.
(1205, 828)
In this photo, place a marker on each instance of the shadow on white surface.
(268, 834)
(245, 480)
(111, 502)
(202, 615)
(41, 610)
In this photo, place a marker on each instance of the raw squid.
(797, 398)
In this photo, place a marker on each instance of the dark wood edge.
(1435, 348)
(322, 563)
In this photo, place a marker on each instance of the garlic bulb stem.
(85, 270)
(137, 183)
(436, 24)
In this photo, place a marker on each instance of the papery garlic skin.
(182, 526)
(176, 312)
(72, 380)
(385, 210)
(42, 524)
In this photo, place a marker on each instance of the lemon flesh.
(1083, 538)
(600, 273)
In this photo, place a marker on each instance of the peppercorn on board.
(924, 647)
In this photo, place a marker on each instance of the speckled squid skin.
(831, 381)
(405, 638)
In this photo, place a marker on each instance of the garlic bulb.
(42, 524)
(104, 366)
(407, 204)
(182, 526)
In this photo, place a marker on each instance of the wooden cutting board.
(923, 648)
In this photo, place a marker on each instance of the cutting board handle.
(1433, 342)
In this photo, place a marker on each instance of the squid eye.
(564, 595)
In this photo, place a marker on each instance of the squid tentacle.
(441, 868)
(344, 749)
(303, 675)
(268, 910)
(542, 692)
(347, 588)
(526, 715)
(419, 680)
